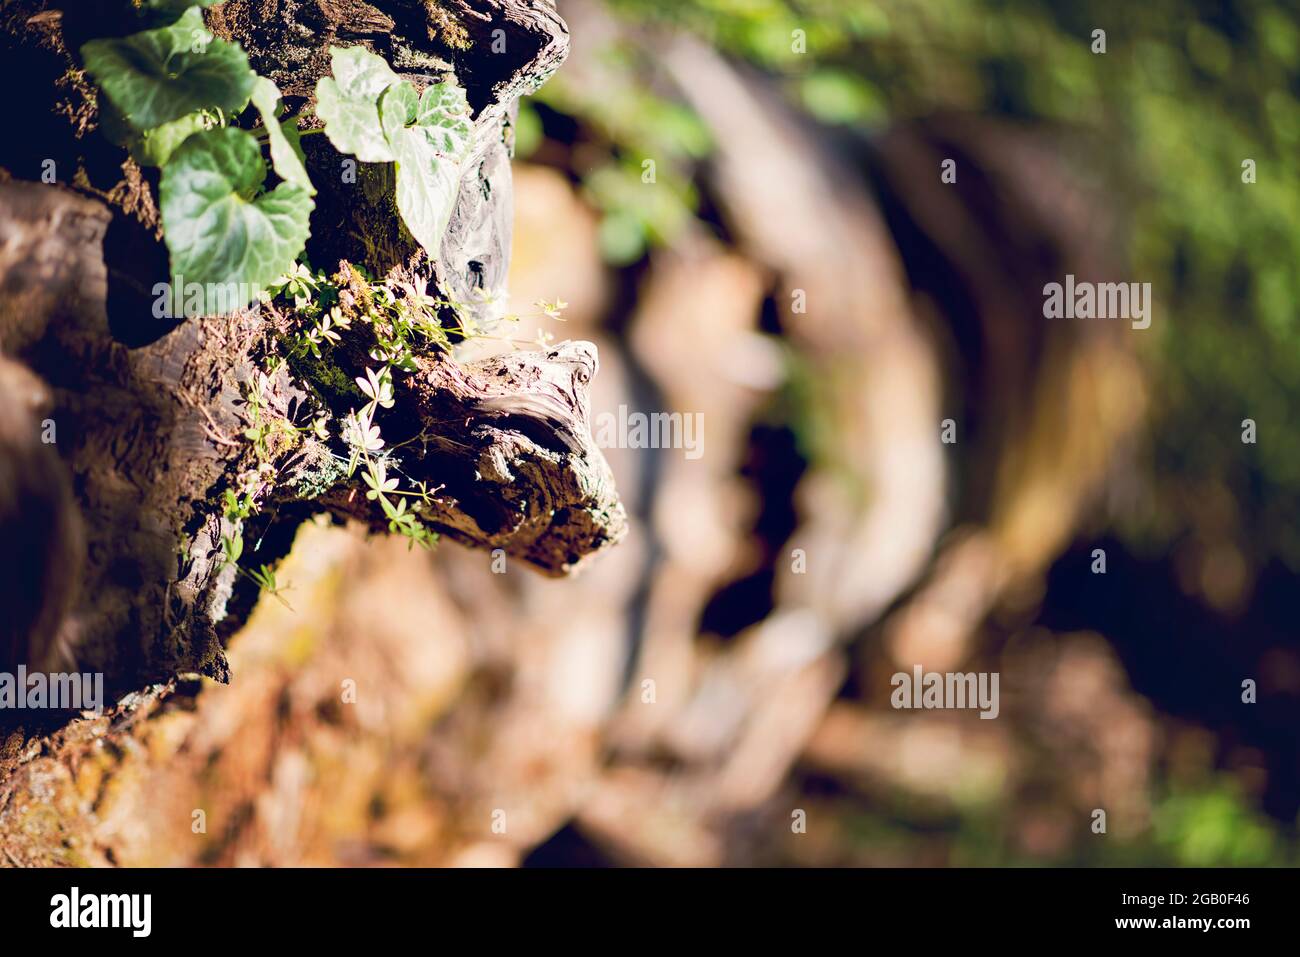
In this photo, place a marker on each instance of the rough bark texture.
(150, 415)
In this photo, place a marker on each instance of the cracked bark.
(149, 415)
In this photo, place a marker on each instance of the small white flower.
(361, 434)
(553, 310)
(378, 480)
(378, 388)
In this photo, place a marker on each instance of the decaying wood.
(150, 414)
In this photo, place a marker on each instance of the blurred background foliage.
(1183, 95)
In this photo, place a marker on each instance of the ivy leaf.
(152, 147)
(286, 159)
(291, 135)
(218, 229)
(444, 117)
(155, 146)
(157, 76)
(430, 137)
(348, 102)
(376, 116)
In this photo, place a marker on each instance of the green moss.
(283, 439)
(330, 382)
(450, 30)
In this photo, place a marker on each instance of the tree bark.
(149, 415)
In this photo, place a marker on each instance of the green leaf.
(114, 125)
(373, 114)
(430, 137)
(348, 102)
(286, 156)
(157, 76)
(219, 231)
(290, 130)
(153, 147)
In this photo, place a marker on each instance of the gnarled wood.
(150, 414)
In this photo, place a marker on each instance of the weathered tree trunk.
(148, 414)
